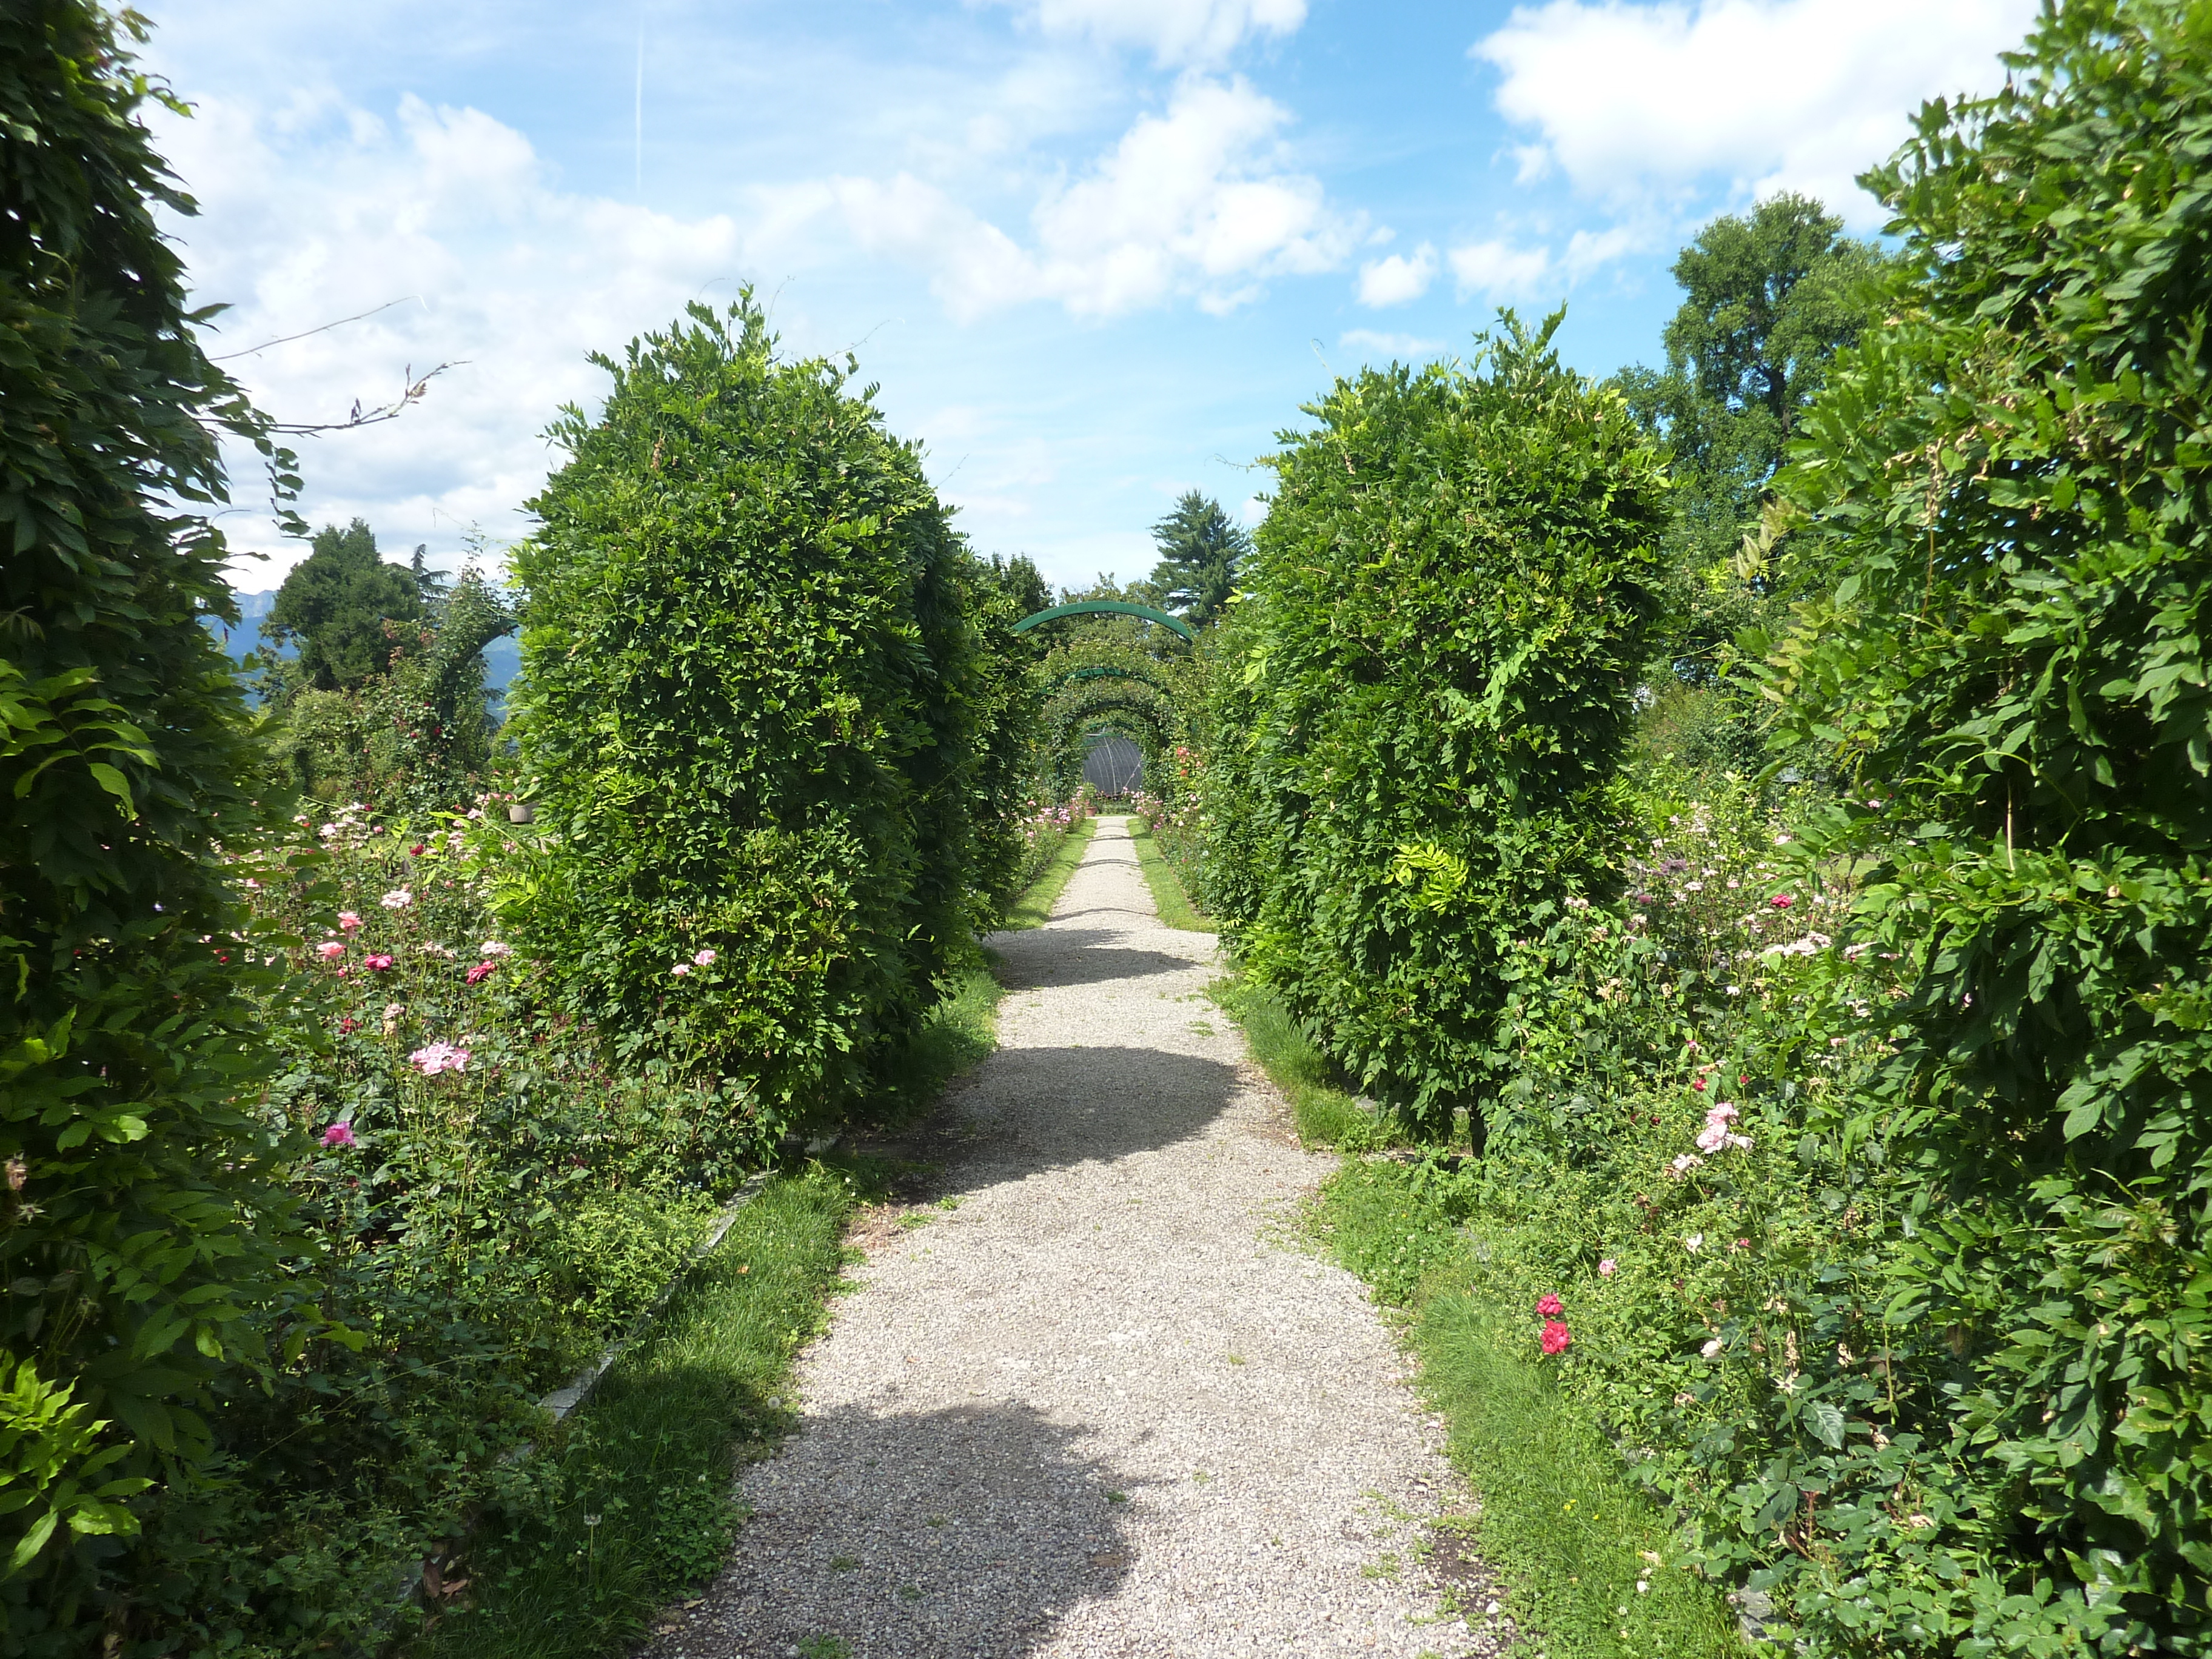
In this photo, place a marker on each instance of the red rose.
(1548, 1304)
(1557, 1337)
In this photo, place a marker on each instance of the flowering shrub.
(1043, 827)
(492, 1199)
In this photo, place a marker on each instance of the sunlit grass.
(1174, 906)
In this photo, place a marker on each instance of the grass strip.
(1325, 1115)
(1589, 1559)
(1168, 894)
(1034, 908)
(1567, 1530)
(629, 1501)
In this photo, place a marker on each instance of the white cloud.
(1173, 30)
(1193, 202)
(1499, 270)
(316, 209)
(1395, 281)
(1369, 344)
(1763, 95)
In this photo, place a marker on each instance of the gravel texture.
(1101, 1401)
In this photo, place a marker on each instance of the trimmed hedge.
(749, 713)
(1438, 652)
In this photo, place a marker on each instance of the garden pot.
(521, 811)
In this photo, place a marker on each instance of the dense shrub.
(2008, 484)
(1865, 1148)
(749, 713)
(139, 1225)
(1439, 653)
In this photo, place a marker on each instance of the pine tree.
(1200, 552)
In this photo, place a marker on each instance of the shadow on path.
(1045, 1109)
(1051, 962)
(965, 1531)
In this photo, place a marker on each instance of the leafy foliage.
(1439, 651)
(346, 609)
(749, 712)
(138, 1225)
(415, 737)
(2008, 485)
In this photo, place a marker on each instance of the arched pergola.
(1132, 708)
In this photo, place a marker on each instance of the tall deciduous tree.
(1768, 298)
(1201, 550)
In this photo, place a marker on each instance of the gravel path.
(1104, 1403)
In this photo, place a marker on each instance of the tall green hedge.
(2011, 484)
(1439, 647)
(136, 1228)
(748, 708)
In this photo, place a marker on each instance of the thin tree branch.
(323, 328)
(361, 417)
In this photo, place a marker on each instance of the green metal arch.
(1117, 607)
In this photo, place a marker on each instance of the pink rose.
(338, 1135)
(1557, 1337)
(482, 971)
(349, 920)
(704, 959)
(440, 1057)
(1548, 1304)
(1606, 1268)
(330, 950)
(378, 961)
(681, 969)
(1781, 900)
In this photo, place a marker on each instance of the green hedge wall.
(2009, 485)
(1438, 652)
(138, 1230)
(749, 711)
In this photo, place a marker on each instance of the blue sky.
(1096, 251)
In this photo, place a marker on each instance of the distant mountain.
(502, 657)
(245, 638)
